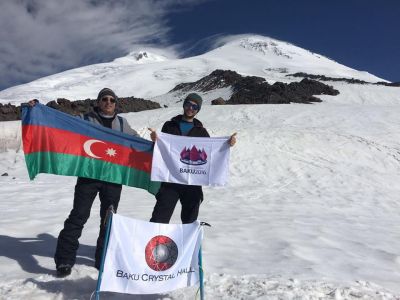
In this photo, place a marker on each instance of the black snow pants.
(86, 191)
(190, 197)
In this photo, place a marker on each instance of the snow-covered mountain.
(312, 207)
(148, 75)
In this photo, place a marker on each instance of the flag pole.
(110, 212)
(201, 274)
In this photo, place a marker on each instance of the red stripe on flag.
(46, 139)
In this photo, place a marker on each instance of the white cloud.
(40, 37)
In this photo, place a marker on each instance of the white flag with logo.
(190, 160)
(149, 258)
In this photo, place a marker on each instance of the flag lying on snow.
(190, 160)
(150, 258)
(57, 143)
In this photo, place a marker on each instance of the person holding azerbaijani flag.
(86, 190)
(190, 196)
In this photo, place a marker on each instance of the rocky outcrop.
(124, 105)
(132, 104)
(72, 107)
(280, 93)
(11, 112)
(218, 101)
(216, 80)
(255, 90)
(347, 80)
(395, 84)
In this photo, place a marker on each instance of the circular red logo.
(161, 253)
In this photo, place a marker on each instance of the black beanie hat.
(106, 92)
(195, 98)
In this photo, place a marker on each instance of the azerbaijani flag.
(57, 143)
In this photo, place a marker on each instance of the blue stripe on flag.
(45, 116)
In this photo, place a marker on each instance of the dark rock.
(326, 78)
(255, 90)
(348, 80)
(10, 112)
(4, 174)
(395, 84)
(250, 92)
(72, 107)
(218, 101)
(132, 104)
(124, 105)
(303, 91)
(216, 80)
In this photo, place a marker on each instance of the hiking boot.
(63, 270)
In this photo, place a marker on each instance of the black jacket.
(172, 127)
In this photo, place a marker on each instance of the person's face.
(190, 108)
(107, 105)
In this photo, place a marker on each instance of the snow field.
(311, 210)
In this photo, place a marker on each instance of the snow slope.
(156, 74)
(311, 212)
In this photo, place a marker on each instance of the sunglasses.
(191, 106)
(106, 99)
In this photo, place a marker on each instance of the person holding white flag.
(190, 196)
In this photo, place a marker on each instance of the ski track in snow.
(311, 210)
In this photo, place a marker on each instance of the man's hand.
(232, 140)
(153, 134)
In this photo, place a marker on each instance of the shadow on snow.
(24, 250)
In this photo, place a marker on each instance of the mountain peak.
(263, 45)
(151, 72)
(142, 57)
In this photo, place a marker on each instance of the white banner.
(190, 160)
(151, 258)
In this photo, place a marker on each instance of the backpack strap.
(121, 123)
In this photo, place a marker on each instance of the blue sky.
(361, 34)
(40, 37)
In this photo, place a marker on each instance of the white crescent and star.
(87, 148)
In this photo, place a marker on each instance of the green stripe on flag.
(72, 165)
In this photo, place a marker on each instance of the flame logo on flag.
(161, 253)
(193, 156)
